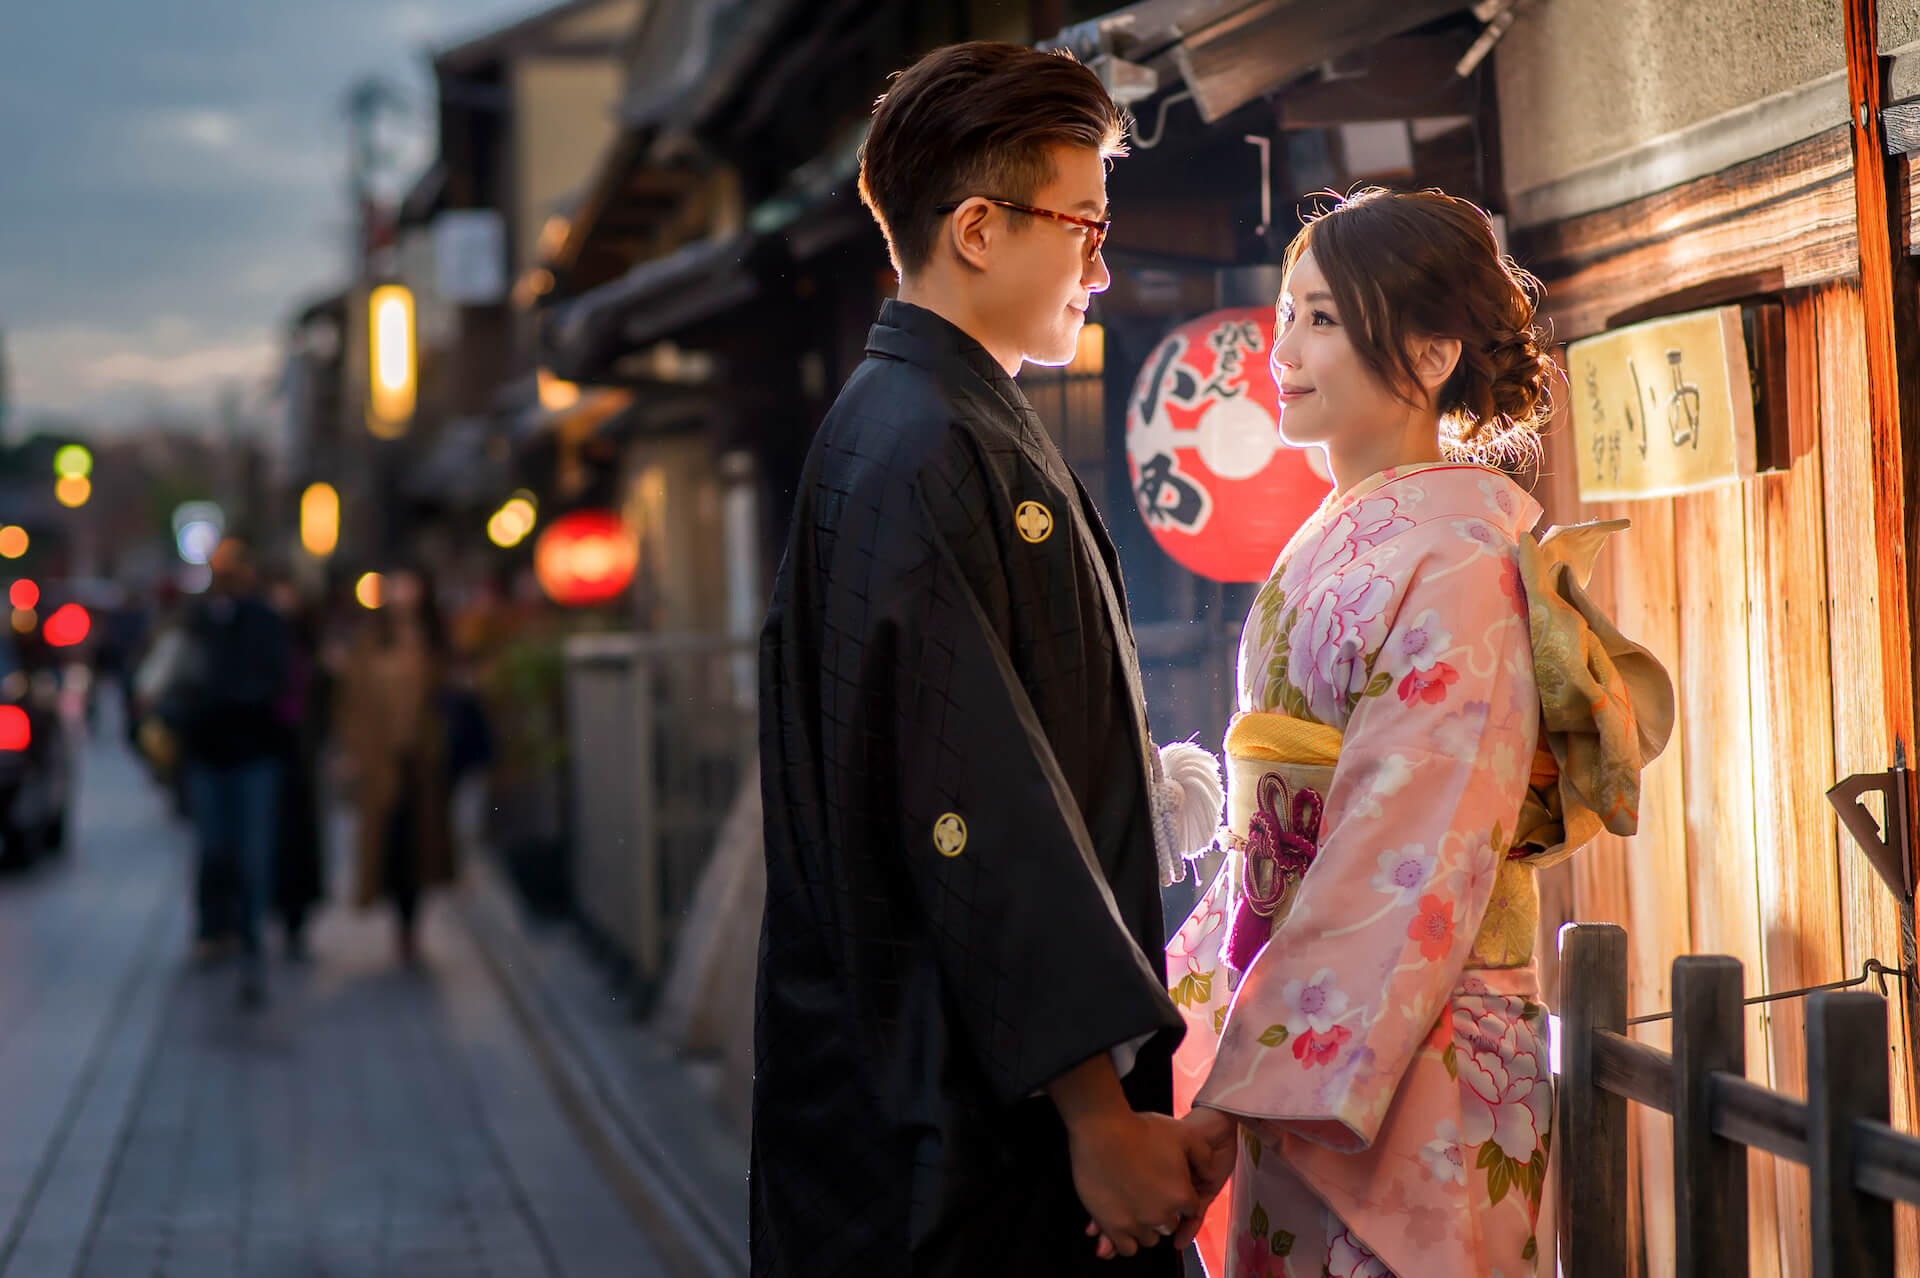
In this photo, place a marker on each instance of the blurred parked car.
(35, 768)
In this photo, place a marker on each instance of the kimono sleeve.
(1419, 816)
(1040, 971)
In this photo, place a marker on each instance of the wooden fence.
(1859, 1166)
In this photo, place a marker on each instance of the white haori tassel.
(1187, 798)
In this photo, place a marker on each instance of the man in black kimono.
(963, 1035)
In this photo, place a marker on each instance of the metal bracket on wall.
(1890, 851)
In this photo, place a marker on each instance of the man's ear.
(1434, 359)
(971, 231)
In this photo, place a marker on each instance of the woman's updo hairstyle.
(1425, 263)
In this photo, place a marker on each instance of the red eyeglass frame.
(1096, 230)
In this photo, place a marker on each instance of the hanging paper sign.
(1219, 488)
(1664, 407)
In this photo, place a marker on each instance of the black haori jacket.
(962, 893)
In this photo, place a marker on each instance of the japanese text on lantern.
(1662, 408)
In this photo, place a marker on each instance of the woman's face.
(1328, 395)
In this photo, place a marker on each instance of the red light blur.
(16, 730)
(67, 626)
(24, 594)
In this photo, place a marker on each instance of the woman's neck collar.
(1353, 469)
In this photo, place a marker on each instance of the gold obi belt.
(1279, 772)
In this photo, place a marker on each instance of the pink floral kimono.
(1429, 709)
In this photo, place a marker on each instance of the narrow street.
(372, 1120)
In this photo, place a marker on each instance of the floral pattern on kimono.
(1394, 1102)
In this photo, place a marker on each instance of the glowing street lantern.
(390, 371)
(24, 594)
(197, 540)
(16, 730)
(320, 519)
(555, 393)
(13, 541)
(370, 590)
(67, 626)
(72, 491)
(586, 557)
(197, 529)
(73, 462)
(512, 522)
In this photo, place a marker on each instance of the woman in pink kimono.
(1429, 710)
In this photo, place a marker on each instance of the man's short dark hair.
(976, 119)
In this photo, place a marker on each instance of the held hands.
(1205, 1139)
(1133, 1174)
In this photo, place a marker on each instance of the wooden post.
(1592, 1193)
(1846, 1080)
(1709, 1172)
(1890, 298)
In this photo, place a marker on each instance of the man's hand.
(1211, 1154)
(1132, 1171)
(1134, 1176)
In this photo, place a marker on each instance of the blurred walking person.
(299, 877)
(222, 708)
(393, 732)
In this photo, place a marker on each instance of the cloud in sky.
(174, 183)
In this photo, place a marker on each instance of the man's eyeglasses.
(1096, 230)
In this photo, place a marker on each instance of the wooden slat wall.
(1647, 603)
(1792, 716)
(1760, 597)
(1862, 741)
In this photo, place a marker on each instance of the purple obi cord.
(1281, 841)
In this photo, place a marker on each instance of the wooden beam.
(1592, 1123)
(1263, 46)
(1785, 218)
(1889, 306)
(1410, 77)
(1846, 1045)
(1709, 1171)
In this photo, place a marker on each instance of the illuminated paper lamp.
(583, 558)
(1217, 486)
(67, 626)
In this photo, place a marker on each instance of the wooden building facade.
(1782, 603)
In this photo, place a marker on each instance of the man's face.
(1040, 278)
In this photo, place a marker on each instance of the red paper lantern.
(67, 626)
(16, 730)
(1220, 489)
(584, 558)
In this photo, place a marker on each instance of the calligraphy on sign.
(1218, 487)
(1664, 407)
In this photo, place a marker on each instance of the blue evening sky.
(172, 184)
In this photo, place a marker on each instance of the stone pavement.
(371, 1121)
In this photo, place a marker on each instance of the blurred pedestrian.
(299, 867)
(393, 732)
(123, 638)
(222, 708)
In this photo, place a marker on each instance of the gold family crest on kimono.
(1458, 712)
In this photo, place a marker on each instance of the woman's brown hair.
(1401, 264)
(975, 119)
